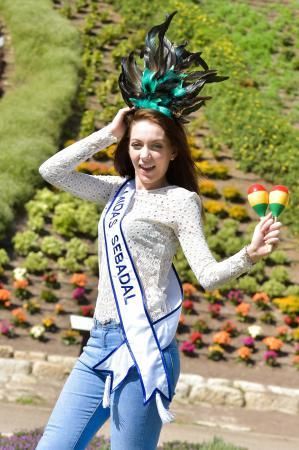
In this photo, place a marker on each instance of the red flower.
(188, 306)
(87, 310)
(214, 309)
(196, 338)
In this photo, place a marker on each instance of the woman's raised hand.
(265, 238)
(118, 125)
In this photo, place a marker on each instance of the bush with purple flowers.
(270, 358)
(28, 440)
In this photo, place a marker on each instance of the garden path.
(251, 429)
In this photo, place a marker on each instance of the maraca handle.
(271, 245)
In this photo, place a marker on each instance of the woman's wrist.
(251, 253)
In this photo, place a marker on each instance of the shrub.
(232, 194)
(46, 197)
(64, 220)
(4, 258)
(277, 257)
(70, 337)
(273, 288)
(35, 262)
(211, 222)
(37, 208)
(216, 244)
(215, 207)
(214, 170)
(208, 188)
(48, 296)
(288, 304)
(248, 284)
(52, 246)
(76, 249)
(232, 245)
(238, 212)
(280, 273)
(69, 264)
(25, 241)
(295, 334)
(87, 218)
(36, 223)
(201, 326)
(292, 290)
(258, 271)
(268, 317)
(183, 269)
(32, 306)
(92, 264)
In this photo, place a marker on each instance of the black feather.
(161, 56)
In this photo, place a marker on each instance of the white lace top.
(155, 222)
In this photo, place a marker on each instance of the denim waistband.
(108, 325)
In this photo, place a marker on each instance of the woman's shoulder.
(178, 192)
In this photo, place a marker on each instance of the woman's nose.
(145, 153)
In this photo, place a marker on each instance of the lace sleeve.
(189, 230)
(59, 170)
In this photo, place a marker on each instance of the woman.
(130, 366)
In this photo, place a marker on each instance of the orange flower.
(59, 309)
(222, 338)
(244, 352)
(182, 319)
(20, 284)
(48, 322)
(19, 315)
(282, 330)
(189, 289)
(295, 361)
(79, 279)
(243, 309)
(273, 343)
(4, 295)
(261, 297)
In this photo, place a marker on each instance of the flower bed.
(29, 440)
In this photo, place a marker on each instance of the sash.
(144, 339)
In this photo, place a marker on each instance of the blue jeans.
(79, 414)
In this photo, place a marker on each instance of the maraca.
(278, 200)
(258, 198)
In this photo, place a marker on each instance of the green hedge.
(46, 49)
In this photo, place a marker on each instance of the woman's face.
(150, 153)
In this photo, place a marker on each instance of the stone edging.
(40, 376)
(220, 391)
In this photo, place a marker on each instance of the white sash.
(144, 339)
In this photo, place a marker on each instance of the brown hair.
(181, 171)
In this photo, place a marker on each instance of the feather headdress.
(163, 85)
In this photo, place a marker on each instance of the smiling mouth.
(146, 168)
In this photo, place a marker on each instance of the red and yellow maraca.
(258, 198)
(278, 199)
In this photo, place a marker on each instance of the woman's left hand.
(265, 238)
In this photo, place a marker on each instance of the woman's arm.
(59, 170)
(189, 230)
